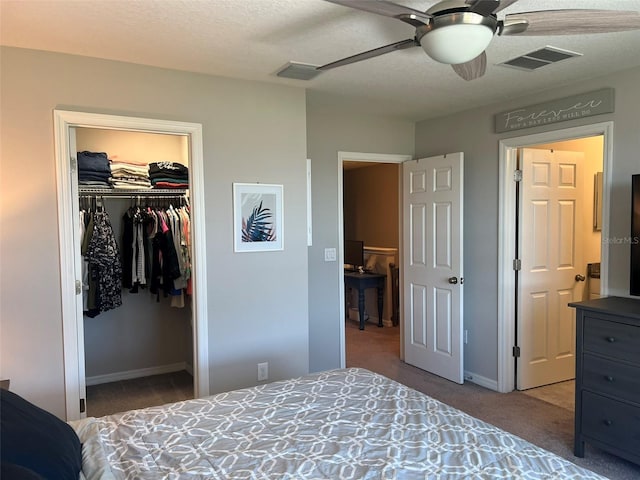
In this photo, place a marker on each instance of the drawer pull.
(611, 339)
(608, 423)
(609, 378)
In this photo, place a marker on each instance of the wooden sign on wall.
(561, 110)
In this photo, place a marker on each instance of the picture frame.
(258, 217)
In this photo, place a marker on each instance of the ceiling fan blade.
(387, 9)
(411, 42)
(488, 7)
(483, 7)
(504, 4)
(572, 22)
(472, 69)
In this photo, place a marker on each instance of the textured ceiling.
(253, 39)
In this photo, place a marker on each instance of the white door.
(432, 265)
(551, 256)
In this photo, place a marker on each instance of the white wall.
(252, 132)
(472, 132)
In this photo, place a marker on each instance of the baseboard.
(129, 374)
(480, 380)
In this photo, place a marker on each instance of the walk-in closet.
(135, 241)
(135, 334)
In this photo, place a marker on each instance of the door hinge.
(517, 264)
(517, 176)
(83, 406)
(516, 351)
(74, 164)
(78, 287)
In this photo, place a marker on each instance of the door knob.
(580, 278)
(453, 280)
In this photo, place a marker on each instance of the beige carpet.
(538, 421)
(561, 394)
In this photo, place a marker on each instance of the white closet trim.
(73, 349)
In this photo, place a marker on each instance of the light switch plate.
(329, 254)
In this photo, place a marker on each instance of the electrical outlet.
(263, 371)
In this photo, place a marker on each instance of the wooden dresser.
(607, 412)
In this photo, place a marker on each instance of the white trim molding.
(309, 205)
(138, 373)
(480, 380)
(64, 122)
(507, 225)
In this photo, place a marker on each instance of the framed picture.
(257, 217)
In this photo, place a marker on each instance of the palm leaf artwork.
(258, 227)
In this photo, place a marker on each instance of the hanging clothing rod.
(133, 195)
(121, 193)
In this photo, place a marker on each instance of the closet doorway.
(76, 131)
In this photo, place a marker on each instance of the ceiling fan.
(457, 32)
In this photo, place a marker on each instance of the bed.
(340, 424)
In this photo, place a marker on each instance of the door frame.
(72, 329)
(507, 232)
(374, 158)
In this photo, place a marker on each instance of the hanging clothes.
(103, 264)
(136, 249)
(155, 252)
(165, 267)
(127, 251)
(186, 247)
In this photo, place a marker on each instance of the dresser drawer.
(616, 340)
(611, 422)
(611, 378)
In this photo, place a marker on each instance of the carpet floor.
(114, 397)
(561, 394)
(537, 420)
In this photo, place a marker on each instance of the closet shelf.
(118, 192)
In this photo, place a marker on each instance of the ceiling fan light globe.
(454, 44)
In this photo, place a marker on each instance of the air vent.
(540, 58)
(299, 71)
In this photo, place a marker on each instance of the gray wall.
(329, 131)
(252, 132)
(472, 133)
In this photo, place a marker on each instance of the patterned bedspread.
(340, 424)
